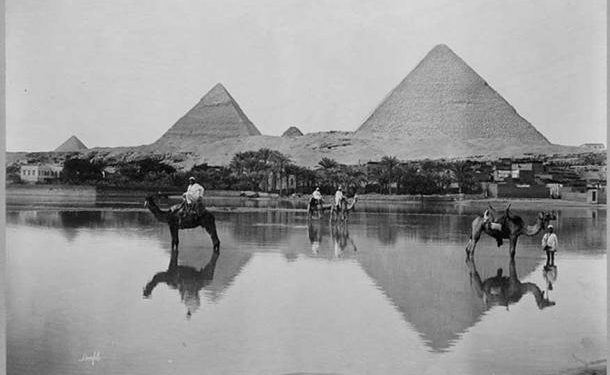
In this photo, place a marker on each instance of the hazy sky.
(121, 72)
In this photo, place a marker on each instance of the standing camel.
(511, 227)
(193, 219)
(341, 212)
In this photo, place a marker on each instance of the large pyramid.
(72, 144)
(217, 116)
(445, 101)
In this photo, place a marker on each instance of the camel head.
(544, 302)
(148, 200)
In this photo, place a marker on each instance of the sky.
(121, 72)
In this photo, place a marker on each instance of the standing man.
(549, 244)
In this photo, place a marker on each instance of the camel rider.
(339, 196)
(193, 194)
(316, 197)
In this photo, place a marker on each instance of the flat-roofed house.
(40, 172)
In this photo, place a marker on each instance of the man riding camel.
(316, 197)
(193, 197)
(193, 193)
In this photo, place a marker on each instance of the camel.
(192, 219)
(511, 227)
(187, 280)
(342, 211)
(316, 210)
(502, 290)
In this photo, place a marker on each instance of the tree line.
(250, 170)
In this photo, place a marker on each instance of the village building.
(40, 173)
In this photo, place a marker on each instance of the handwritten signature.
(94, 357)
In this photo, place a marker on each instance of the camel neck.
(159, 214)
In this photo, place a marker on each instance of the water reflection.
(418, 295)
(502, 290)
(314, 232)
(550, 276)
(341, 239)
(187, 280)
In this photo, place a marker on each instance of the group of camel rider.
(316, 196)
(194, 196)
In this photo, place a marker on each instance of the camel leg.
(175, 240)
(210, 227)
(477, 229)
(513, 246)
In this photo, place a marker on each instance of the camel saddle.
(495, 225)
(187, 212)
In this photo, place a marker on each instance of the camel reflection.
(314, 231)
(187, 280)
(339, 234)
(502, 290)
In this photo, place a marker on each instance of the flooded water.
(100, 292)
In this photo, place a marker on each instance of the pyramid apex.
(442, 49)
(71, 144)
(441, 46)
(219, 86)
(217, 95)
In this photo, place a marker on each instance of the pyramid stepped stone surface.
(216, 116)
(443, 99)
(72, 144)
(292, 131)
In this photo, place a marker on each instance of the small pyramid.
(72, 144)
(292, 131)
(444, 99)
(216, 116)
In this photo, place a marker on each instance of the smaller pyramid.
(292, 131)
(72, 144)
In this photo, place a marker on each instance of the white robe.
(338, 197)
(193, 193)
(550, 240)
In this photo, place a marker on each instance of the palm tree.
(390, 170)
(328, 163)
(278, 163)
(460, 171)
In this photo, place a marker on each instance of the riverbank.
(78, 196)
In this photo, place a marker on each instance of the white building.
(40, 172)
